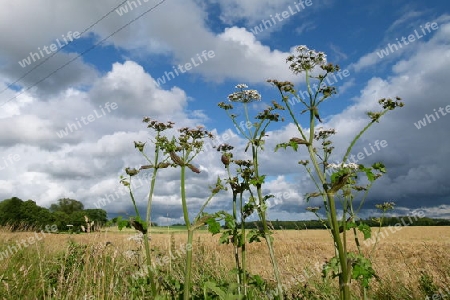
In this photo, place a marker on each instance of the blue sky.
(44, 159)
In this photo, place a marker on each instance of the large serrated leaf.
(365, 229)
(213, 226)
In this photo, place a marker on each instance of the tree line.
(372, 222)
(27, 215)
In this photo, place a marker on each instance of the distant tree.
(10, 212)
(67, 206)
(61, 220)
(77, 218)
(97, 215)
(34, 215)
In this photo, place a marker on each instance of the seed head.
(176, 159)
(225, 159)
(193, 168)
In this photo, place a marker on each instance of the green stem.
(133, 200)
(183, 197)
(149, 264)
(152, 187)
(243, 243)
(187, 271)
(331, 204)
(247, 119)
(236, 245)
(343, 275)
(359, 135)
(377, 235)
(147, 246)
(262, 215)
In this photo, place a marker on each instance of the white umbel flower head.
(242, 86)
(244, 95)
(306, 59)
(343, 166)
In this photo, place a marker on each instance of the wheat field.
(410, 263)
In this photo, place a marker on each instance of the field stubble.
(400, 259)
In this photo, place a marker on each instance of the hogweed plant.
(234, 232)
(337, 184)
(344, 182)
(384, 208)
(182, 150)
(177, 152)
(252, 180)
(158, 162)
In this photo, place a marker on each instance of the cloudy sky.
(78, 76)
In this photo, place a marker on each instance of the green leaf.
(369, 173)
(294, 145)
(225, 237)
(256, 281)
(216, 289)
(258, 181)
(249, 208)
(230, 222)
(121, 223)
(350, 225)
(365, 229)
(362, 269)
(281, 145)
(331, 268)
(380, 167)
(253, 236)
(213, 225)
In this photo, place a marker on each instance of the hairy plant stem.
(243, 244)
(344, 275)
(332, 217)
(236, 245)
(152, 186)
(151, 276)
(188, 267)
(262, 216)
(148, 221)
(148, 217)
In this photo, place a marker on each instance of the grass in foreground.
(411, 264)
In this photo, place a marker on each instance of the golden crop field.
(405, 263)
